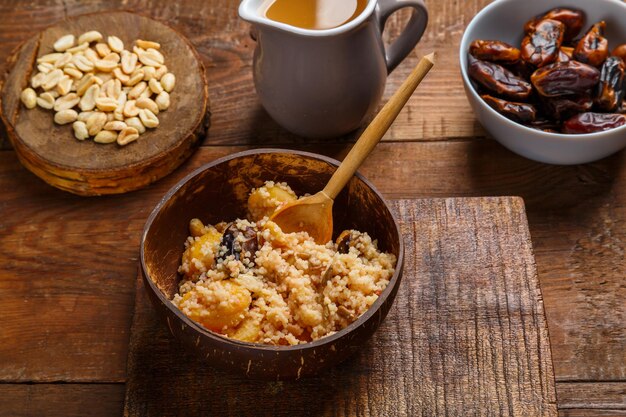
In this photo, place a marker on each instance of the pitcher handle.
(412, 33)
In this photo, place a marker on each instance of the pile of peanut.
(104, 90)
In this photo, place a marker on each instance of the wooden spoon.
(314, 214)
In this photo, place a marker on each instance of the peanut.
(115, 43)
(137, 90)
(102, 49)
(163, 101)
(146, 103)
(88, 101)
(155, 86)
(91, 36)
(105, 136)
(127, 135)
(115, 125)
(95, 122)
(66, 102)
(148, 118)
(63, 43)
(136, 123)
(80, 130)
(29, 98)
(147, 44)
(79, 48)
(130, 109)
(45, 67)
(168, 81)
(65, 116)
(45, 101)
(52, 79)
(106, 104)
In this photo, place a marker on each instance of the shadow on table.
(494, 170)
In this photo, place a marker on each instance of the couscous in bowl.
(219, 191)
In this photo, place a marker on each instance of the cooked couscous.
(249, 281)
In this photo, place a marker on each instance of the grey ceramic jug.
(325, 83)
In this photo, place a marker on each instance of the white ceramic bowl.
(504, 20)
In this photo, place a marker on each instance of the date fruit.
(518, 112)
(495, 51)
(562, 108)
(239, 243)
(541, 46)
(498, 79)
(593, 122)
(611, 88)
(620, 51)
(593, 48)
(565, 78)
(573, 20)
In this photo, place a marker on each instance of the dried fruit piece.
(541, 46)
(593, 48)
(612, 86)
(565, 54)
(565, 78)
(561, 108)
(239, 243)
(573, 19)
(498, 79)
(518, 112)
(495, 51)
(620, 51)
(593, 122)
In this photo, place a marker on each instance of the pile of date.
(557, 81)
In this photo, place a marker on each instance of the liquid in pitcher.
(313, 14)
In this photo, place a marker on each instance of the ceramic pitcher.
(325, 83)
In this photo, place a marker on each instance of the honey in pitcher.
(313, 14)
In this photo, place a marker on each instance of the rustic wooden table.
(67, 279)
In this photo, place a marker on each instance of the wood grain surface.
(466, 335)
(71, 262)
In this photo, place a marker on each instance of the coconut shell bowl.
(218, 192)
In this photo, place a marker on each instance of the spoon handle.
(376, 130)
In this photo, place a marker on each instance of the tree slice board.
(87, 168)
(467, 335)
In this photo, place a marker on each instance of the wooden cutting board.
(87, 168)
(467, 335)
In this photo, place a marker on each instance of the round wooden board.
(84, 167)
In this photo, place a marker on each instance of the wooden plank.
(586, 412)
(61, 400)
(68, 400)
(439, 110)
(466, 335)
(600, 395)
(576, 217)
